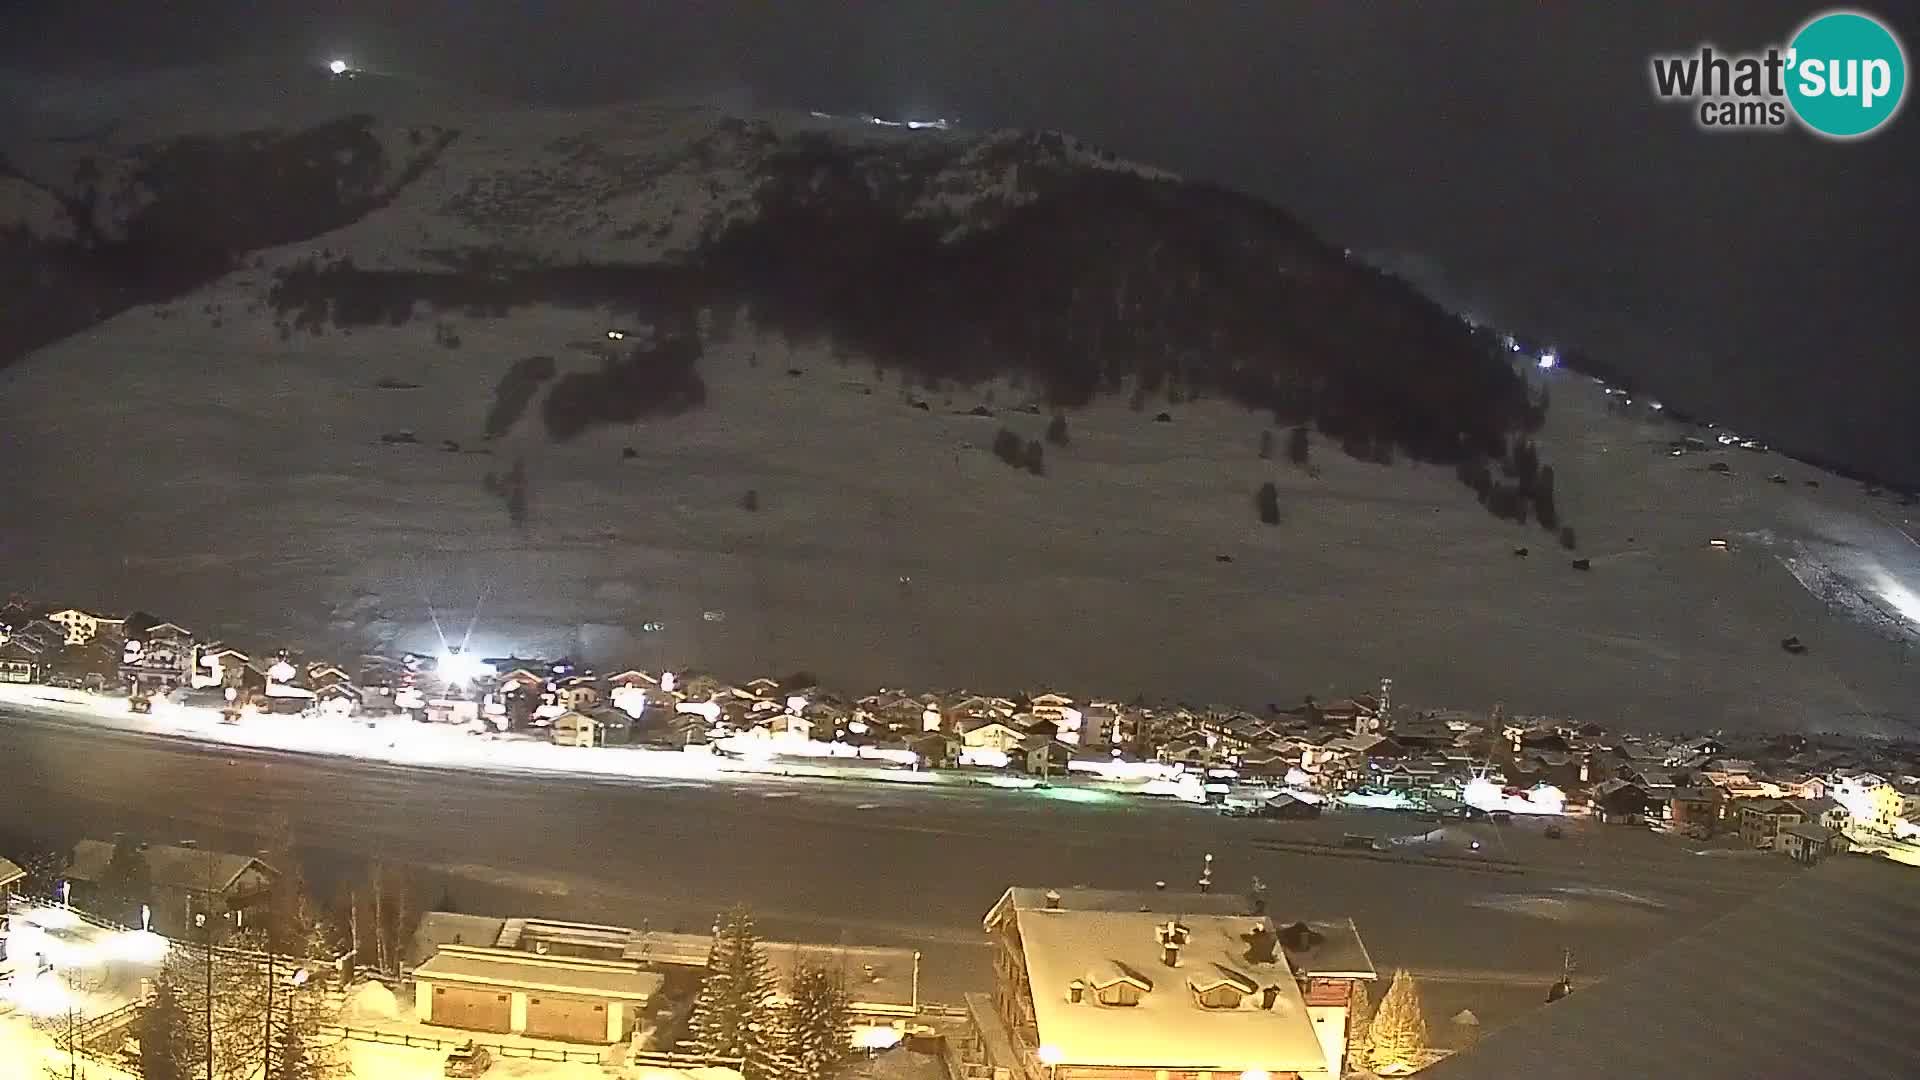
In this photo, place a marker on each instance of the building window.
(1219, 997)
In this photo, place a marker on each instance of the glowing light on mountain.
(337, 67)
(1549, 359)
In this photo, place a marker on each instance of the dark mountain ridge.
(1098, 282)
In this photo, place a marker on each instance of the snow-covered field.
(238, 484)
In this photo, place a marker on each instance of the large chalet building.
(1094, 984)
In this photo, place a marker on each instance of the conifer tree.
(127, 881)
(1398, 1036)
(162, 1035)
(734, 1015)
(1359, 1025)
(816, 1029)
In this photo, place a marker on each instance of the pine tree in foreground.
(162, 1035)
(297, 1051)
(1398, 1038)
(734, 1015)
(817, 1031)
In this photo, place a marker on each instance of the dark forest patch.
(515, 391)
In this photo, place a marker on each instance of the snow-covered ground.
(399, 740)
(238, 484)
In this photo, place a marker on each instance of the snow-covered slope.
(840, 298)
(239, 484)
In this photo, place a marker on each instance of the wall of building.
(1330, 1026)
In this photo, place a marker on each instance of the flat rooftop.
(508, 968)
(878, 978)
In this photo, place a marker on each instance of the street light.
(1050, 1057)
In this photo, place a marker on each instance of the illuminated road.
(858, 862)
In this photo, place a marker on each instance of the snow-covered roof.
(9, 873)
(1757, 992)
(438, 928)
(557, 974)
(1169, 1027)
(172, 867)
(1819, 834)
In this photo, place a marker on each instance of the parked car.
(140, 703)
(468, 1061)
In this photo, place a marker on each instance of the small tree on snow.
(1057, 430)
(1267, 501)
(817, 1034)
(734, 1016)
(1398, 1038)
(1299, 445)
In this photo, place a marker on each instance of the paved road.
(856, 862)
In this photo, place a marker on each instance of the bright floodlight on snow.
(456, 667)
(1549, 359)
(338, 67)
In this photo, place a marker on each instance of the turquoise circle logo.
(1846, 74)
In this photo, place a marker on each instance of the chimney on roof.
(1300, 937)
(1076, 991)
(1172, 937)
(1261, 943)
(1053, 900)
(1269, 995)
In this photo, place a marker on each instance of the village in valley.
(1802, 796)
(411, 991)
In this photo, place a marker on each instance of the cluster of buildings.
(1793, 794)
(1088, 984)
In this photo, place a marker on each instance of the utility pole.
(266, 1046)
(379, 921)
(202, 921)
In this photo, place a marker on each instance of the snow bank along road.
(850, 862)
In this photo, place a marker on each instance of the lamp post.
(203, 921)
(1050, 1057)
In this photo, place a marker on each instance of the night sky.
(1507, 156)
